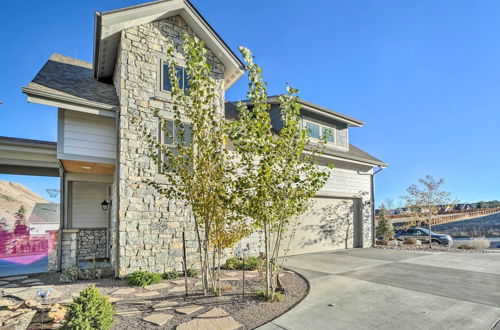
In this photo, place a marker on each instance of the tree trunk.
(200, 249)
(184, 257)
(218, 271)
(268, 268)
(205, 267)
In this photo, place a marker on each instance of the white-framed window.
(318, 131)
(172, 136)
(182, 77)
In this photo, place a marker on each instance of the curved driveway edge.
(389, 289)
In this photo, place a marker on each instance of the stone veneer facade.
(149, 233)
(92, 244)
(80, 245)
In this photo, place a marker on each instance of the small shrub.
(381, 242)
(466, 247)
(480, 243)
(143, 278)
(409, 240)
(90, 310)
(261, 294)
(71, 274)
(172, 275)
(231, 263)
(251, 263)
(192, 272)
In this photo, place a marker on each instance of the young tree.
(426, 201)
(20, 226)
(193, 159)
(384, 227)
(278, 176)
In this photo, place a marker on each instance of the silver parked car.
(422, 234)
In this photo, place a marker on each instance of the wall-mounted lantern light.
(105, 205)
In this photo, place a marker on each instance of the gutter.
(33, 92)
(372, 199)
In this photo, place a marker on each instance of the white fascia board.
(28, 163)
(331, 115)
(26, 149)
(86, 158)
(348, 160)
(330, 194)
(71, 106)
(113, 22)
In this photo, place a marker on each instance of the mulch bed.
(249, 312)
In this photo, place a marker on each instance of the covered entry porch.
(52, 235)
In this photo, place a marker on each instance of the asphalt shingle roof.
(70, 78)
(354, 153)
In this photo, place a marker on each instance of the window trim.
(161, 134)
(161, 70)
(321, 126)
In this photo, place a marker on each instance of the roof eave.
(234, 66)
(51, 99)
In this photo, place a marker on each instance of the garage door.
(332, 223)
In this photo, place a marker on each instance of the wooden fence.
(447, 216)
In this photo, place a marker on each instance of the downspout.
(62, 212)
(372, 198)
(372, 177)
(117, 192)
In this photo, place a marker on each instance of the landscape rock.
(17, 320)
(165, 305)
(128, 312)
(133, 302)
(158, 319)
(148, 294)
(188, 309)
(214, 319)
(158, 286)
(124, 291)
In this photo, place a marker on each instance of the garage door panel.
(330, 224)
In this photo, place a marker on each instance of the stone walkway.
(17, 292)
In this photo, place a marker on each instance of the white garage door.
(332, 223)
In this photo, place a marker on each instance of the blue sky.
(424, 75)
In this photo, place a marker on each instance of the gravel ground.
(250, 312)
(435, 248)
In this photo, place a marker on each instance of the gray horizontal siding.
(89, 135)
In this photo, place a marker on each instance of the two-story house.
(106, 209)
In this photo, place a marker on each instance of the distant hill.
(13, 195)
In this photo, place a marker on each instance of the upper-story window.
(182, 78)
(173, 137)
(318, 131)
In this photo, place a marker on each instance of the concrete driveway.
(388, 289)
